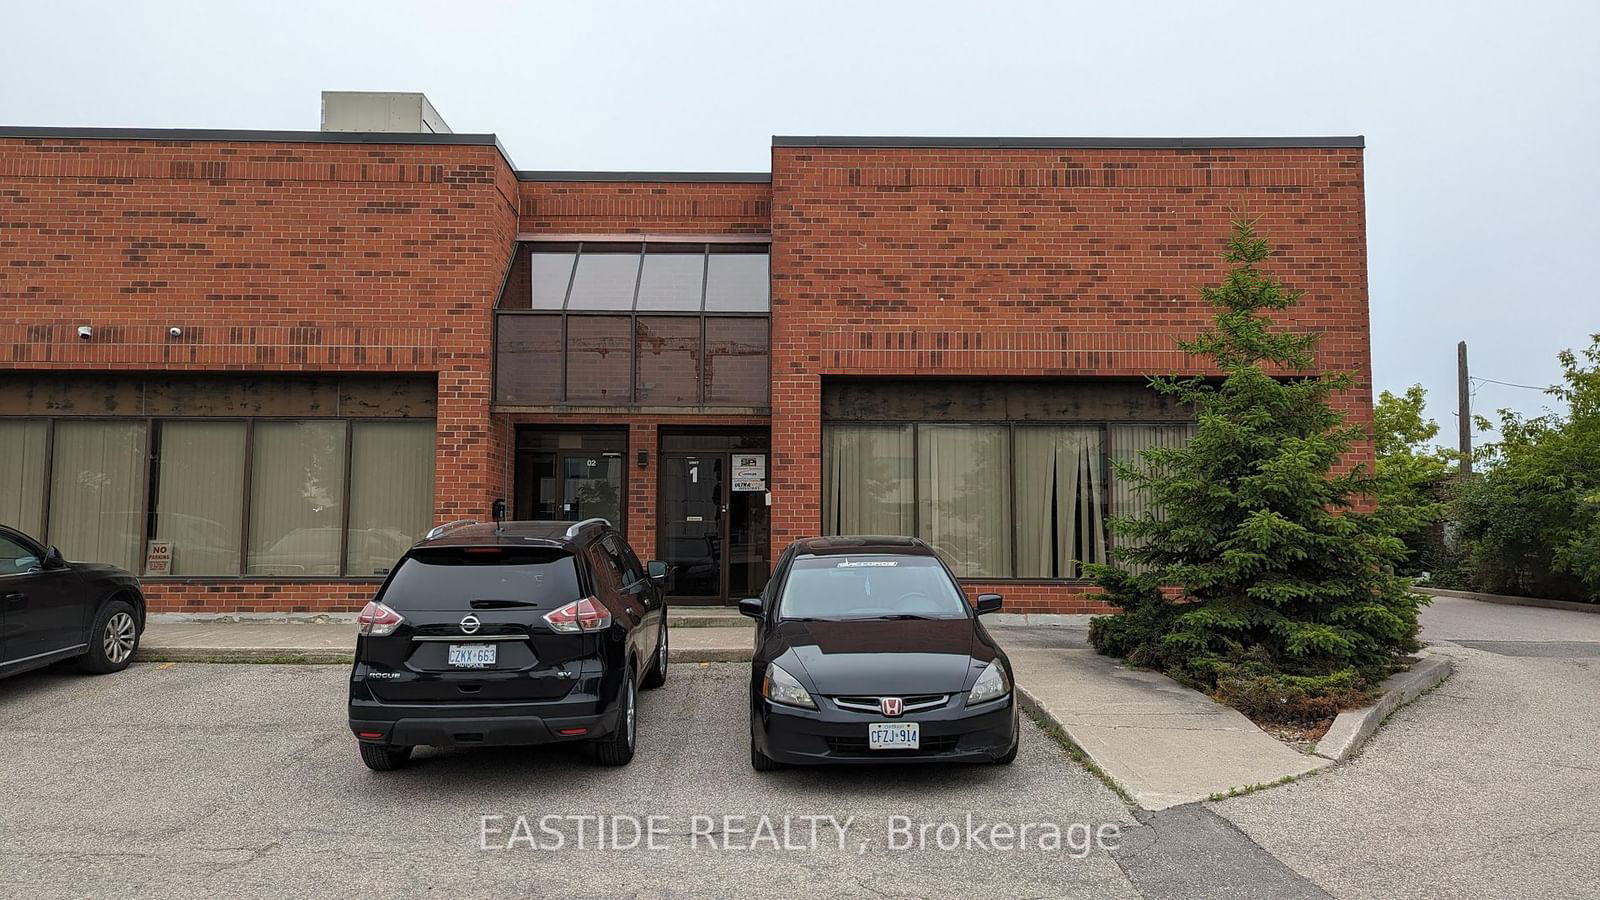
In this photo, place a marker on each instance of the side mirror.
(53, 558)
(988, 603)
(752, 607)
(656, 569)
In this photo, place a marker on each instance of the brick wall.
(1034, 262)
(272, 257)
(618, 207)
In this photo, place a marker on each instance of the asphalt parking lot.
(243, 780)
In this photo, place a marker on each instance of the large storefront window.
(964, 496)
(227, 497)
(296, 498)
(199, 499)
(97, 491)
(1008, 500)
(391, 492)
(22, 471)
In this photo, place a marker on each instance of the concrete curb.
(1509, 600)
(1039, 711)
(1352, 727)
(302, 656)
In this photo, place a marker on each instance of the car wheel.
(657, 676)
(616, 749)
(112, 639)
(384, 758)
(760, 761)
(1006, 758)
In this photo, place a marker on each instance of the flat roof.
(39, 132)
(1066, 143)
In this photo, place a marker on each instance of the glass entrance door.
(693, 510)
(570, 476)
(714, 526)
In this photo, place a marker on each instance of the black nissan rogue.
(516, 633)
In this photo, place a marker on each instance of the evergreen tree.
(1272, 566)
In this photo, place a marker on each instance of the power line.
(1531, 387)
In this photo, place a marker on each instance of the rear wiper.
(500, 604)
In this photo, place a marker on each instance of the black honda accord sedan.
(867, 651)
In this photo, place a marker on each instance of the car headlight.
(991, 685)
(781, 687)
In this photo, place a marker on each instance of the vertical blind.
(22, 475)
(110, 487)
(391, 492)
(296, 486)
(200, 495)
(97, 491)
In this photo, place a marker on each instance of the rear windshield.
(868, 587)
(483, 578)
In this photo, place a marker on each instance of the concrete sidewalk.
(335, 643)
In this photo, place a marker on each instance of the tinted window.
(15, 558)
(606, 277)
(452, 578)
(869, 586)
(737, 279)
(672, 277)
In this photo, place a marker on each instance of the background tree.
(1530, 522)
(1411, 476)
(1279, 575)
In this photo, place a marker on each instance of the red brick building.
(254, 365)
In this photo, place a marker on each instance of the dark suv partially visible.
(517, 633)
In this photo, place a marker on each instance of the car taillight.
(377, 620)
(579, 615)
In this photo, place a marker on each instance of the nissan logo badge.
(470, 624)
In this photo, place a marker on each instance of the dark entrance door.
(713, 528)
(571, 476)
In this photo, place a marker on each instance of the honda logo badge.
(892, 706)
(469, 625)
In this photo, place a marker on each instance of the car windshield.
(870, 586)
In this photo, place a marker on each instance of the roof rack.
(438, 530)
(576, 527)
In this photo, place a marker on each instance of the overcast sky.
(1482, 120)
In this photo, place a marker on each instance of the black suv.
(516, 633)
(51, 609)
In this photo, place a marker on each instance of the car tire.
(657, 676)
(384, 758)
(760, 761)
(616, 749)
(113, 639)
(1006, 758)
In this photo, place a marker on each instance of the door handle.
(14, 596)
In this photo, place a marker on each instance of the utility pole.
(1464, 394)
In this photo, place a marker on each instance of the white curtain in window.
(200, 495)
(1060, 505)
(391, 492)
(22, 445)
(964, 496)
(297, 485)
(1126, 443)
(97, 491)
(866, 479)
